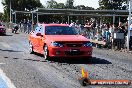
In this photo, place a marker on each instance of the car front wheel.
(31, 48)
(46, 52)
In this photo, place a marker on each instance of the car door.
(36, 39)
(32, 37)
(41, 39)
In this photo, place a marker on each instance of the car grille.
(74, 45)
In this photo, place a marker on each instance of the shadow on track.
(15, 58)
(10, 50)
(16, 33)
(35, 60)
(92, 60)
(5, 35)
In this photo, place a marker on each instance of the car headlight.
(56, 44)
(88, 44)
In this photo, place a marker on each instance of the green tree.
(83, 7)
(69, 4)
(54, 4)
(112, 4)
(1, 14)
(60, 6)
(51, 4)
(20, 5)
(80, 7)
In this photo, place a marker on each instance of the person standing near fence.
(87, 28)
(119, 37)
(20, 25)
(114, 40)
(107, 34)
(78, 27)
(29, 25)
(93, 30)
(25, 25)
(103, 30)
(122, 40)
(98, 36)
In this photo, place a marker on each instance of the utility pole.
(10, 11)
(129, 23)
(32, 20)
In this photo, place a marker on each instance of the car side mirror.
(39, 34)
(83, 34)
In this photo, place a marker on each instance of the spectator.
(98, 36)
(114, 40)
(120, 25)
(111, 29)
(107, 34)
(20, 25)
(72, 24)
(78, 27)
(119, 38)
(25, 25)
(29, 25)
(122, 41)
(88, 28)
(103, 30)
(93, 31)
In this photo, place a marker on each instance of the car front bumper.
(70, 52)
(2, 31)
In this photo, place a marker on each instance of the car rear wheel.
(31, 48)
(4, 33)
(46, 52)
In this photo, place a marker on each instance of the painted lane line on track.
(7, 82)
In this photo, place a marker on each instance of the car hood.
(66, 38)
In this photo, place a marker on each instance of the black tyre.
(46, 52)
(31, 48)
(12, 31)
(15, 31)
(5, 33)
(84, 81)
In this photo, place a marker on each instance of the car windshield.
(60, 30)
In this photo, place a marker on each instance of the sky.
(90, 3)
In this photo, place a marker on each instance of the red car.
(2, 30)
(59, 40)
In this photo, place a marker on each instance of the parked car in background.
(2, 30)
(59, 40)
